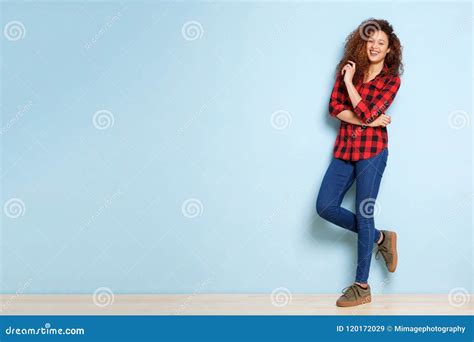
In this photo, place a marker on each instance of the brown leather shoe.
(354, 295)
(388, 249)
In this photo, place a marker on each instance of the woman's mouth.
(373, 53)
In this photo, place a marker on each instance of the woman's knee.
(325, 209)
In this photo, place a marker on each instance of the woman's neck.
(373, 70)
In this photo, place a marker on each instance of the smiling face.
(377, 46)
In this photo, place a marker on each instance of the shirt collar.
(384, 70)
(382, 73)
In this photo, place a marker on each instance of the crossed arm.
(350, 117)
(338, 108)
(359, 113)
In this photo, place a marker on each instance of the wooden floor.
(228, 304)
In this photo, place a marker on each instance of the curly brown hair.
(355, 48)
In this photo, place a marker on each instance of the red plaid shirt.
(356, 142)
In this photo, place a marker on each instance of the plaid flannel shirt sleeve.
(337, 101)
(368, 111)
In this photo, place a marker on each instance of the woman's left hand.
(383, 120)
(348, 71)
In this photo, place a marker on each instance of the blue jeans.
(339, 177)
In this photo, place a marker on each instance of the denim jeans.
(339, 177)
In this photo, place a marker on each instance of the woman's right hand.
(383, 120)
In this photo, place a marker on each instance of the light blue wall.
(193, 119)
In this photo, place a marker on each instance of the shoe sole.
(395, 253)
(365, 300)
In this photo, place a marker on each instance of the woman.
(367, 81)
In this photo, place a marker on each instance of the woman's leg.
(338, 179)
(369, 175)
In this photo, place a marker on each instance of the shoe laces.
(385, 253)
(354, 288)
